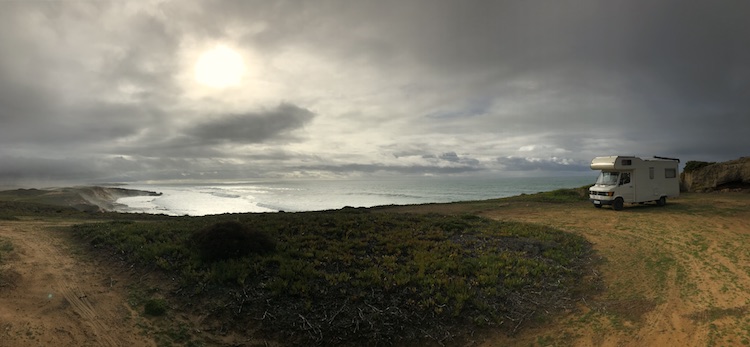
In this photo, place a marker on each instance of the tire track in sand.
(59, 299)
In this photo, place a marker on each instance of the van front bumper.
(601, 202)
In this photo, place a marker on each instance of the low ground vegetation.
(352, 276)
(555, 196)
(6, 247)
(693, 165)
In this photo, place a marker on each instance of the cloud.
(401, 87)
(450, 156)
(348, 169)
(542, 164)
(18, 169)
(241, 136)
(252, 127)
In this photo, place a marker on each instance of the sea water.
(197, 199)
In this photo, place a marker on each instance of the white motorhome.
(634, 180)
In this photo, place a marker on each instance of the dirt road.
(677, 275)
(51, 295)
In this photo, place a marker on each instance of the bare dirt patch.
(52, 296)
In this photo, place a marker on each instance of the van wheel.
(662, 201)
(617, 205)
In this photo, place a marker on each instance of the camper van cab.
(625, 179)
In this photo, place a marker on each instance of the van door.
(626, 186)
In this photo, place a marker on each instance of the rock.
(729, 175)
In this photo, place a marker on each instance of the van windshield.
(607, 178)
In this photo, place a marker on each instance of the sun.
(220, 67)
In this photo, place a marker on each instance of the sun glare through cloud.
(220, 67)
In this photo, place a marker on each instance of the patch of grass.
(660, 265)
(12, 210)
(687, 287)
(5, 247)
(555, 196)
(180, 336)
(361, 277)
(698, 245)
(545, 340)
(714, 313)
(631, 309)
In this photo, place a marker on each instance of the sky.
(123, 91)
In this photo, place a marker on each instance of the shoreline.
(210, 200)
(303, 196)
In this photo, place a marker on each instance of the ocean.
(315, 195)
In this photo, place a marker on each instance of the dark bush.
(155, 307)
(695, 165)
(230, 240)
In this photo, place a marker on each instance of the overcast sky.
(107, 90)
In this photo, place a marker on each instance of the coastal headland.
(82, 198)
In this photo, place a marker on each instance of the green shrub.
(695, 165)
(564, 195)
(5, 247)
(231, 240)
(155, 307)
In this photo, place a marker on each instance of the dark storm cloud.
(75, 168)
(90, 125)
(450, 156)
(61, 73)
(252, 127)
(17, 169)
(210, 138)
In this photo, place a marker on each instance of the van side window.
(624, 178)
(670, 173)
(627, 162)
(651, 172)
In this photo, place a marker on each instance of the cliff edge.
(707, 177)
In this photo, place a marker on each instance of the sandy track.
(51, 296)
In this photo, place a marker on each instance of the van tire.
(618, 204)
(662, 201)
